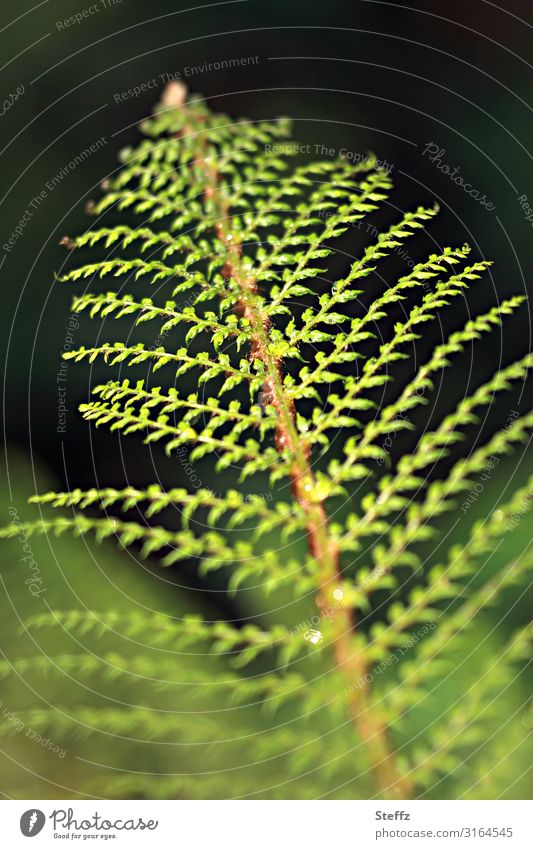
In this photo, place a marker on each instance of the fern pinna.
(287, 370)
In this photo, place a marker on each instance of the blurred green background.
(354, 75)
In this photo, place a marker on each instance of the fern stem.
(369, 726)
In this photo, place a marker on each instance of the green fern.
(241, 298)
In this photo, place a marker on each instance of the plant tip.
(174, 95)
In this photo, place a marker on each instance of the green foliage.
(291, 380)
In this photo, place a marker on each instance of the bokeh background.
(358, 75)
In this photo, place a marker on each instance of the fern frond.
(118, 409)
(127, 236)
(271, 363)
(465, 727)
(392, 418)
(343, 291)
(219, 331)
(112, 666)
(432, 447)
(430, 661)
(135, 269)
(212, 550)
(440, 497)
(271, 691)
(114, 722)
(446, 582)
(210, 369)
(235, 506)
(370, 377)
(378, 310)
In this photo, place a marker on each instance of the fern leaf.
(271, 365)
(466, 725)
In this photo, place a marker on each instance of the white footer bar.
(267, 824)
